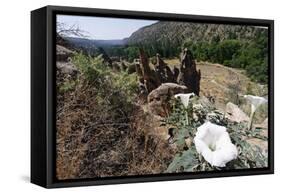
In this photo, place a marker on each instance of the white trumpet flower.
(213, 143)
(255, 102)
(185, 101)
(184, 98)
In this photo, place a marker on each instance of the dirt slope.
(222, 83)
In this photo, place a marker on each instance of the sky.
(104, 28)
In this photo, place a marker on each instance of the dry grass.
(93, 142)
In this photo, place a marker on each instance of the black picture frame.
(43, 95)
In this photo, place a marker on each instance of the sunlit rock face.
(235, 114)
(158, 99)
(213, 143)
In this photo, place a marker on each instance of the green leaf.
(186, 161)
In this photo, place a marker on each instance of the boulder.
(67, 68)
(258, 145)
(235, 114)
(63, 53)
(263, 125)
(64, 64)
(158, 99)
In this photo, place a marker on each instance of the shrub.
(93, 69)
(127, 83)
(95, 133)
(67, 86)
(131, 53)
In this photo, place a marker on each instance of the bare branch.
(63, 30)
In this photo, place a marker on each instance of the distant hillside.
(91, 46)
(183, 31)
(104, 43)
(82, 44)
(90, 43)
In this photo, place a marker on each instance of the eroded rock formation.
(163, 71)
(150, 79)
(188, 75)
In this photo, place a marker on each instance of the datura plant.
(255, 102)
(213, 143)
(210, 142)
(184, 98)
